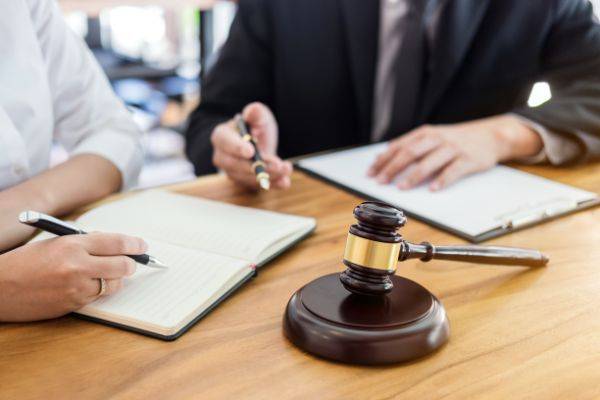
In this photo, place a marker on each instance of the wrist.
(516, 139)
(29, 196)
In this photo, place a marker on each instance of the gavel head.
(372, 249)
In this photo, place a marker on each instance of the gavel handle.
(475, 254)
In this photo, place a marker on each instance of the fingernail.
(435, 186)
(403, 185)
(143, 245)
(382, 179)
(371, 172)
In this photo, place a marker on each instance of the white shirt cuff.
(124, 151)
(557, 148)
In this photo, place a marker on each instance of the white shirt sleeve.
(88, 117)
(556, 150)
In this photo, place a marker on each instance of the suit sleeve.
(241, 75)
(571, 65)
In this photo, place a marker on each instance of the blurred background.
(155, 53)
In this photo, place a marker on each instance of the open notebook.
(477, 208)
(211, 248)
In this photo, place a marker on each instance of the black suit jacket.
(313, 63)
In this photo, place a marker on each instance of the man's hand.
(52, 277)
(232, 154)
(445, 153)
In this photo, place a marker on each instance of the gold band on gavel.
(248, 138)
(372, 254)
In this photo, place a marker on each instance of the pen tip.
(155, 262)
(265, 184)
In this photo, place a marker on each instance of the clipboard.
(352, 163)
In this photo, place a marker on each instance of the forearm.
(570, 63)
(514, 139)
(79, 181)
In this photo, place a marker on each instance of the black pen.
(258, 165)
(61, 228)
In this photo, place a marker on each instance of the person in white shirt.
(51, 89)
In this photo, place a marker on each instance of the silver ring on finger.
(102, 288)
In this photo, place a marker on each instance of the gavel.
(369, 315)
(374, 247)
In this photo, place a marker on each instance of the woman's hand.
(446, 153)
(50, 278)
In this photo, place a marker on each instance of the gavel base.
(324, 319)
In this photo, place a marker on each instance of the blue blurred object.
(176, 86)
(141, 94)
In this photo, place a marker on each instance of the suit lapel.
(456, 27)
(361, 24)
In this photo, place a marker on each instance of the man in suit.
(446, 81)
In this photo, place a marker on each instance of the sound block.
(325, 319)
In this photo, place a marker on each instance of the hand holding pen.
(50, 278)
(61, 228)
(234, 155)
(258, 165)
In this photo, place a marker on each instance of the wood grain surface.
(515, 333)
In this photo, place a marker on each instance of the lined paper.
(197, 223)
(164, 299)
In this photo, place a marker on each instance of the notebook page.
(164, 301)
(473, 205)
(196, 223)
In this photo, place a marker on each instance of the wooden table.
(516, 333)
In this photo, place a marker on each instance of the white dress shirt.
(51, 88)
(392, 16)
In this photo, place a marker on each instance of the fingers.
(92, 287)
(405, 156)
(112, 286)
(112, 267)
(233, 155)
(427, 167)
(231, 164)
(394, 146)
(258, 115)
(227, 140)
(111, 244)
(263, 126)
(454, 171)
(282, 183)
(277, 168)
(241, 171)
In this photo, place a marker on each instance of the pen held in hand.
(258, 165)
(60, 228)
